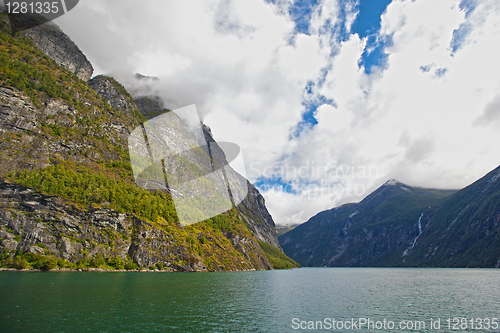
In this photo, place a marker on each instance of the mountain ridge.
(401, 225)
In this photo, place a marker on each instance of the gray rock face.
(37, 223)
(16, 111)
(252, 208)
(150, 106)
(117, 97)
(59, 47)
(257, 217)
(30, 142)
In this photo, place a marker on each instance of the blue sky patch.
(276, 183)
(311, 103)
(426, 68)
(440, 72)
(468, 6)
(374, 54)
(460, 34)
(367, 25)
(368, 20)
(301, 13)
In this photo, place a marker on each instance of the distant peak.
(392, 182)
(139, 76)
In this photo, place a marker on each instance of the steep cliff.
(118, 98)
(70, 198)
(253, 209)
(58, 46)
(79, 238)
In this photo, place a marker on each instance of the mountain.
(58, 46)
(283, 229)
(366, 233)
(252, 208)
(68, 197)
(465, 229)
(399, 225)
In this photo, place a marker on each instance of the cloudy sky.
(327, 99)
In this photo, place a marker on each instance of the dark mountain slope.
(367, 233)
(465, 230)
(398, 225)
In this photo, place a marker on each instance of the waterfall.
(415, 240)
(419, 230)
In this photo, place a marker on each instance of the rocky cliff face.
(50, 118)
(48, 225)
(150, 106)
(252, 208)
(59, 47)
(34, 136)
(118, 98)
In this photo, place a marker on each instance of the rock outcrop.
(58, 46)
(252, 208)
(117, 97)
(150, 106)
(48, 225)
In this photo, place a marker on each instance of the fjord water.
(262, 301)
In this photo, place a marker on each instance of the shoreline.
(102, 270)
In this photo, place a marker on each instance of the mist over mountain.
(399, 225)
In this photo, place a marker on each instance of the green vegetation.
(25, 67)
(207, 240)
(277, 258)
(29, 260)
(86, 187)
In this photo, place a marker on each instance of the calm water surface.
(265, 301)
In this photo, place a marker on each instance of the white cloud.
(491, 113)
(412, 121)
(404, 122)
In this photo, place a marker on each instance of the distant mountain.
(465, 230)
(283, 229)
(399, 225)
(365, 233)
